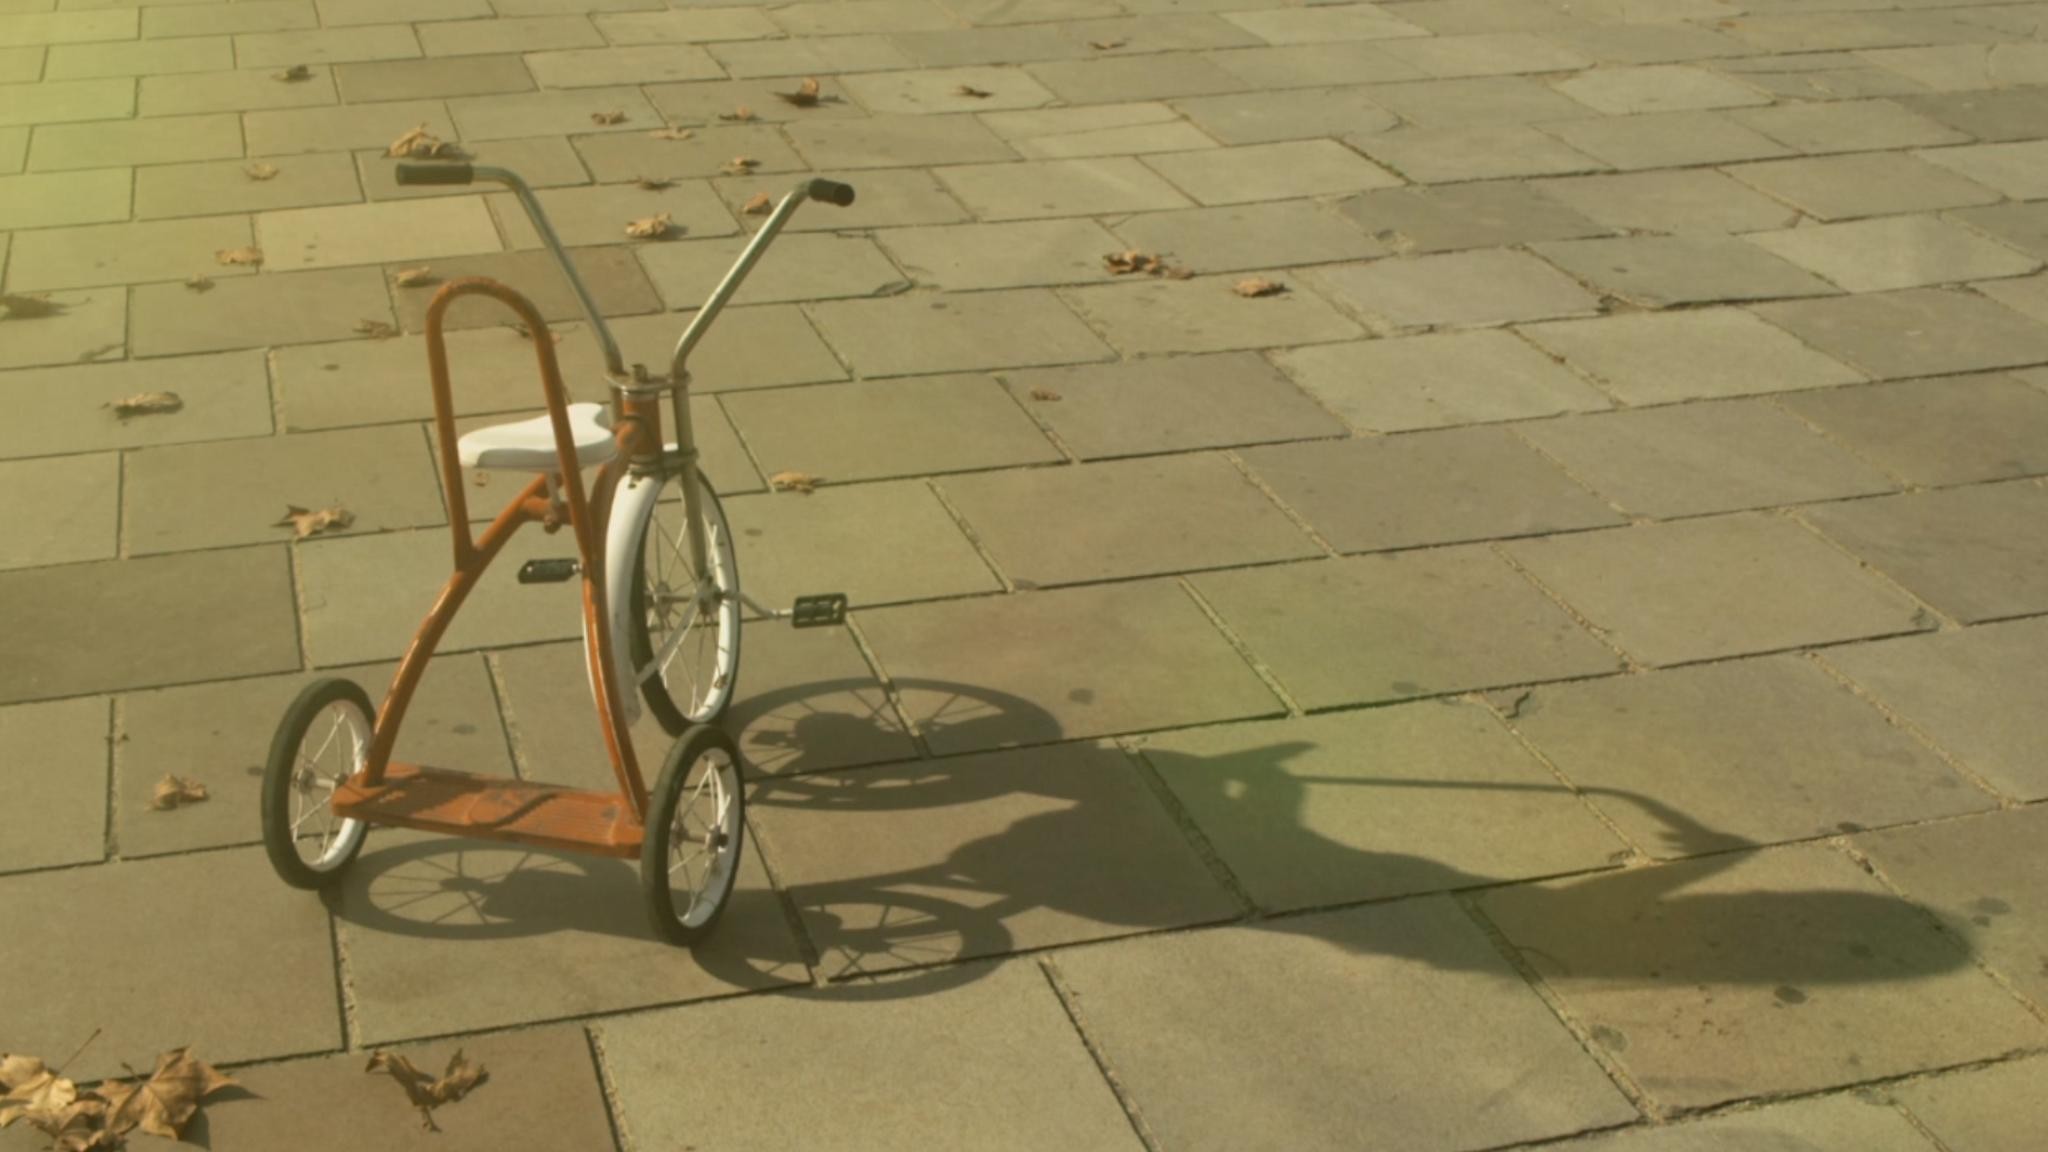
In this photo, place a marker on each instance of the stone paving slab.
(1206, 314)
(1019, 1078)
(53, 761)
(253, 311)
(111, 255)
(1836, 981)
(1953, 548)
(1025, 254)
(1662, 271)
(1650, 358)
(1841, 1123)
(1487, 215)
(1288, 114)
(62, 410)
(1368, 805)
(615, 280)
(1895, 252)
(1957, 430)
(1980, 1111)
(914, 333)
(109, 144)
(1434, 381)
(1484, 287)
(887, 428)
(300, 181)
(1441, 154)
(1182, 403)
(65, 509)
(1666, 140)
(1918, 332)
(599, 214)
(1982, 876)
(1247, 237)
(87, 326)
(810, 267)
(852, 540)
(1866, 184)
(1418, 976)
(2014, 169)
(628, 156)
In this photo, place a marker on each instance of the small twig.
(81, 1049)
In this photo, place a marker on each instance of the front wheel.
(676, 629)
(322, 741)
(696, 826)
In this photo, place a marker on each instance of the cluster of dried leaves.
(233, 256)
(807, 94)
(146, 404)
(739, 166)
(102, 1117)
(672, 133)
(176, 792)
(1136, 262)
(1258, 286)
(420, 144)
(28, 307)
(655, 227)
(615, 116)
(793, 482)
(304, 523)
(428, 1092)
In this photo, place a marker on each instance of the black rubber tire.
(661, 810)
(655, 691)
(277, 780)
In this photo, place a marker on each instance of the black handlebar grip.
(436, 173)
(831, 192)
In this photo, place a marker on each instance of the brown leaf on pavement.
(1044, 394)
(260, 171)
(29, 307)
(650, 227)
(414, 277)
(251, 256)
(615, 116)
(427, 1092)
(304, 523)
(971, 91)
(146, 403)
(806, 94)
(200, 283)
(1258, 286)
(672, 133)
(1106, 45)
(793, 481)
(740, 113)
(293, 74)
(376, 329)
(740, 165)
(652, 183)
(420, 144)
(1124, 263)
(759, 204)
(166, 1102)
(176, 792)
(33, 1092)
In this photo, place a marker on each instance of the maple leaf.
(1257, 286)
(293, 74)
(22, 307)
(971, 91)
(414, 277)
(426, 1092)
(1044, 394)
(421, 144)
(376, 329)
(176, 791)
(740, 113)
(805, 96)
(163, 1104)
(652, 183)
(34, 1092)
(793, 481)
(146, 403)
(239, 255)
(672, 133)
(740, 165)
(200, 283)
(650, 227)
(759, 204)
(260, 171)
(304, 523)
(613, 117)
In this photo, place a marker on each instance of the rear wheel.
(696, 826)
(322, 741)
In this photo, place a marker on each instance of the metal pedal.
(548, 571)
(818, 611)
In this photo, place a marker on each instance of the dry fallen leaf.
(239, 256)
(146, 403)
(740, 165)
(806, 94)
(200, 283)
(613, 117)
(1257, 286)
(740, 113)
(261, 171)
(376, 329)
(414, 277)
(524, 333)
(34, 1093)
(421, 144)
(759, 204)
(426, 1092)
(1106, 45)
(176, 791)
(650, 227)
(652, 183)
(793, 481)
(1123, 263)
(166, 1102)
(20, 307)
(1044, 394)
(304, 523)
(971, 91)
(672, 133)
(293, 74)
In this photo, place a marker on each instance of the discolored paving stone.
(1165, 76)
(1917, 332)
(532, 935)
(1660, 271)
(1486, 54)
(244, 91)
(1024, 1081)
(1292, 114)
(615, 280)
(1488, 215)
(59, 101)
(982, 855)
(1955, 548)
(1137, 407)
(1986, 1110)
(1040, 188)
(1368, 805)
(119, 624)
(58, 410)
(1689, 200)
(1658, 88)
(1116, 520)
(535, 113)
(1666, 140)
(1065, 664)
(53, 762)
(1490, 286)
(941, 90)
(1270, 171)
(897, 141)
(852, 540)
(919, 334)
(1847, 126)
(1967, 690)
(432, 79)
(1029, 253)
(1402, 625)
(875, 429)
(218, 734)
(1244, 237)
(1696, 354)
(350, 126)
(627, 156)
(1982, 876)
(1405, 383)
(137, 58)
(647, 64)
(110, 144)
(42, 200)
(64, 509)
(1847, 1121)
(1474, 152)
(1872, 184)
(250, 311)
(1895, 252)
(90, 324)
(1748, 751)
(2004, 114)
(1315, 64)
(304, 181)
(887, 198)
(1685, 591)
(1938, 432)
(543, 161)
(1692, 459)
(110, 255)
(1836, 981)
(183, 914)
(1205, 314)
(809, 267)
(1459, 485)
(507, 34)
(1096, 130)
(1418, 975)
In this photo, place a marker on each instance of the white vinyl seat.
(529, 445)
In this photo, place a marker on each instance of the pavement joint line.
(1634, 853)
(1198, 840)
(1288, 702)
(295, 570)
(753, 458)
(508, 718)
(110, 843)
(974, 540)
(614, 1112)
(1301, 522)
(344, 977)
(1044, 426)
(1583, 375)
(1048, 967)
(1920, 735)
(792, 916)
(1628, 662)
(1518, 436)
(1898, 479)
(890, 692)
(1924, 610)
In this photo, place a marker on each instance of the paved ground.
(1569, 663)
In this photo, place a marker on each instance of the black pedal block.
(819, 611)
(548, 571)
